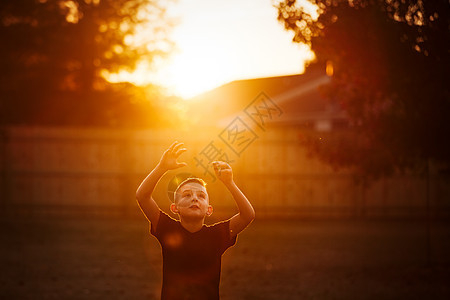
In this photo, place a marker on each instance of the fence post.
(4, 173)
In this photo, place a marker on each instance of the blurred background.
(333, 115)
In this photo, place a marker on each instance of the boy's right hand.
(169, 158)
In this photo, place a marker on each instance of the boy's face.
(192, 201)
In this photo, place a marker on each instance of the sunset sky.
(221, 41)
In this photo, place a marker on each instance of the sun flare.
(216, 45)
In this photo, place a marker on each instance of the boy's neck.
(192, 225)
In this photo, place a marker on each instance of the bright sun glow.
(218, 42)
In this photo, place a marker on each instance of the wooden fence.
(98, 169)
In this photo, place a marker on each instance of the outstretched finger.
(181, 164)
(220, 165)
(172, 146)
(180, 151)
(216, 165)
(177, 147)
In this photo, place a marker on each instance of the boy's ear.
(173, 208)
(209, 211)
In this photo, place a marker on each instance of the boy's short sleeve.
(157, 230)
(223, 231)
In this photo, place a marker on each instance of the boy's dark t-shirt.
(191, 261)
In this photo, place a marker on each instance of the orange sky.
(221, 41)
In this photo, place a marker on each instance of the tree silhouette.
(53, 54)
(390, 61)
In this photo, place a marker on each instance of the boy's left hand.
(223, 171)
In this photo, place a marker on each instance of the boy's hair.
(188, 180)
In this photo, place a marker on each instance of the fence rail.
(101, 169)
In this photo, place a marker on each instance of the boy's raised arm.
(246, 212)
(144, 192)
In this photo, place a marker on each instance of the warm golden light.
(216, 44)
(329, 68)
(71, 10)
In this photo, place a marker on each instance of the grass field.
(110, 257)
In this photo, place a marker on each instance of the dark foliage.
(53, 53)
(390, 63)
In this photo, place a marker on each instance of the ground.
(91, 256)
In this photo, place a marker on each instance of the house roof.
(297, 96)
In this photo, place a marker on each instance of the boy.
(191, 250)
